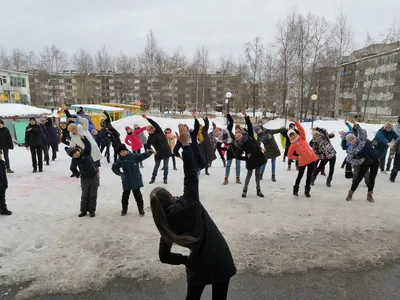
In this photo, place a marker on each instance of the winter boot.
(92, 214)
(40, 169)
(82, 214)
(226, 181)
(273, 178)
(207, 172)
(289, 167)
(370, 198)
(47, 163)
(238, 180)
(124, 210)
(5, 212)
(224, 162)
(244, 193)
(165, 181)
(152, 181)
(328, 181)
(34, 170)
(295, 190)
(349, 196)
(9, 171)
(307, 190)
(259, 193)
(313, 178)
(391, 179)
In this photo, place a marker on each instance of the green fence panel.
(20, 128)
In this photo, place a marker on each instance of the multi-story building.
(369, 86)
(165, 92)
(14, 87)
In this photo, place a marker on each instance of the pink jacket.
(133, 139)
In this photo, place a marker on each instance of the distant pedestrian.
(3, 187)
(6, 144)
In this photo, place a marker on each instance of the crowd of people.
(183, 220)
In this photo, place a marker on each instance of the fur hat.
(71, 151)
(122, 147)
(290, 132)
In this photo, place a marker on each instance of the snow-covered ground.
(45, 241)
(14, 109)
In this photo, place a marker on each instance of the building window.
(23, 82)
(69, 87)
(68, 80)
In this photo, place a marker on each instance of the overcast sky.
(221, 25)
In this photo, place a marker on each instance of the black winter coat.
(210, 260)
(254, 157)
(6, 141)
(206, 147)
(3, 176)
(51, 132)
(116, 140)
(44, 135)
(198, 158)
(131, 176)
(159, 142)
(33, 137)
(85, 163)
(106, 137)
(65, 137)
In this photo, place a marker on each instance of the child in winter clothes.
(395, 154)
(131, 176)
(88, 172)
(142, 136)
(171, 139)
(300, 151)
(3, 187)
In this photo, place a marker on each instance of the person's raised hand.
(244, 112)
(291, 119)
(184, 135)
(144, 116)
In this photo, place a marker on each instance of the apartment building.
(14, 87)
(163, 92)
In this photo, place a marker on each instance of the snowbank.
(44, 240)
(13, 109)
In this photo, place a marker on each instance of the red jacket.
(305, 155)
(133, 139)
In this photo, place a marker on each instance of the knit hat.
(122, 147)
(350, 136)
(127, 128)
(71, 151)
(32, 118)
(1, 122)
(290, 132)
(260, 122)
(292, 125)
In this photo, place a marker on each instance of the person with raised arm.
(300, 151)
(361, 152)
(159, 142)
(205, 144)
(183, 220)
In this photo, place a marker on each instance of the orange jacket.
(305, 155)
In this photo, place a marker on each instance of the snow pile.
(45, 241)
(19, 110)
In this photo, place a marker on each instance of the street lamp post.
(314, 98)
(228, 96)
(273, 116)
(287, 110)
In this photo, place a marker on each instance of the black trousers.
(115, 148)
(107, 154)
(396, 167)
(6, 157)
(54, 149)
(219, 291)
(46, 155)
(322, 164)
(310, 169)
(89, 188)
(138, 197)
(36, 152)
(373, 171)
(3, 199)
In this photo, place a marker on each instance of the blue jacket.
(382, 138)
(131, 176)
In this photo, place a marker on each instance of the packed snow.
(19, 110)
(97, 107)
(45, 242)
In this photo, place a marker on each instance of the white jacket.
(83, 130)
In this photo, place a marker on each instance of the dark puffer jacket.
(210, 259)
(159, 142)
(51, 132)
(115, 140)
(3, 176)
(6, 141)
(33, 137)
(85, 163)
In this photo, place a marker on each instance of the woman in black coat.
(6, 144)
(198, 158)
(115, 140)
(33, 142)
(247, 145)
(205, 144)
(184, 221)
(53, 137)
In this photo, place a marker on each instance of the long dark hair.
(158, 206)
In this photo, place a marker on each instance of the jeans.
(219, 291)
(228, 167)
(248, 177)
(373, 171)
(6, 157)
(273, 165)
(396, 167)
(310, 169)
(36, 152)
(322, 164)
(157, 165)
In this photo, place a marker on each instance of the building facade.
(14, 87)
(163, 92)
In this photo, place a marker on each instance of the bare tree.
(4, 60)
(342, 40)
(124, 83)
(104, 61)
(18, 59)
(204, 65)
(53, 61)
(254, 53)
(83, 63)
